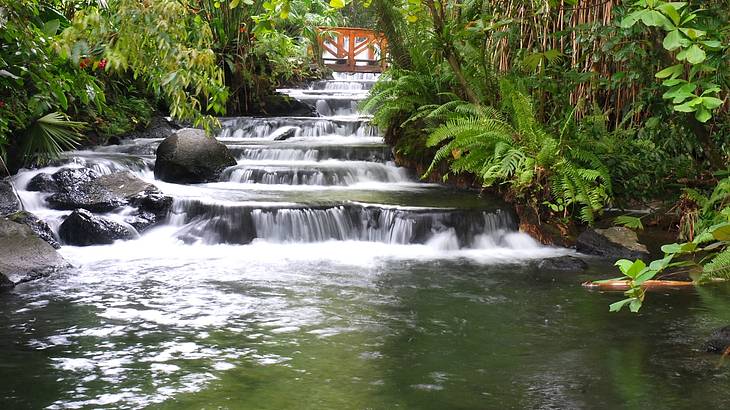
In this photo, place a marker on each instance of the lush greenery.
(70, 69)
(704, 257)
(570, 107)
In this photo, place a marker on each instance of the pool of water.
(346, 325)
(316, 274)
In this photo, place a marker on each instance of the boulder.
(124, 185)
(152, 202)
(5, 283)
(68, 179)
(8, 201)
(565, 263)
(82, 228)
(280, 105)
(102, 194)
(613, 243)
(719, 341)
(25, 255)
(284, 133)
(189, 156)
(37, 225)
(91, 197)
(42, 182)
(141, 221)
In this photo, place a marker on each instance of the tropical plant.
(35, 83)
(698, 49)
(704, 258)
(509, 147)
(163, 42)
(50, 135)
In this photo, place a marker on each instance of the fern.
(512, 148)
(718, 267)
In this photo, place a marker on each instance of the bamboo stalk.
(623, 285)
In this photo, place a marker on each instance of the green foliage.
(691, 88)
(630, 222)
(510, 148)
(263, 44)
(34, 81)
(50, 135)
(706, 258)
(162, 42)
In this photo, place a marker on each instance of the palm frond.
(50, 135)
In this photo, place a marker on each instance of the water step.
(343, 85)
(283, 151)
(313, 173)
(217, 223)
(250, 128)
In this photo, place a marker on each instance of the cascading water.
(292, 278)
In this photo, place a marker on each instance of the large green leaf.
(675, 40)
(673, 71)
(693, 55)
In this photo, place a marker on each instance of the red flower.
(85, 63)
(102, 64)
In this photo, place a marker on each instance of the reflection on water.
(360, 288)
(344, 325)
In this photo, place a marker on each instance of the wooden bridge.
(353, 49)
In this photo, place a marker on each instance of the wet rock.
(124, 185)
(8, 201)
(5, 283)
(43, 182)
(69, 179)
(102, 194)
(155, 203)
(82, 228)
(719, 341)
(141, 221)
(285, 133)
(92, 197)
(158, 128)
(37, 225)
(24, 255)
(613, 243)
(565, 263)
(189, 156)
(279, 105)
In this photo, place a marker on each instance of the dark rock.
(24, 254)
(155, 203)
(102, 194)
(5, 283)
(125, 185)
(719, 341)
(37, 225)
(68, 179)
(565, 263)
(92, 198)
(189, 156)
(286, 133)
(279, 105)
(614, 243)
(141, 221)
(8, 201)
(43, 182)
(81, 228)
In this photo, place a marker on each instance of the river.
(360, 288)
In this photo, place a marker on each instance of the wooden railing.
(353, 49)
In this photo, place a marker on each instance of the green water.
(320, 333)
